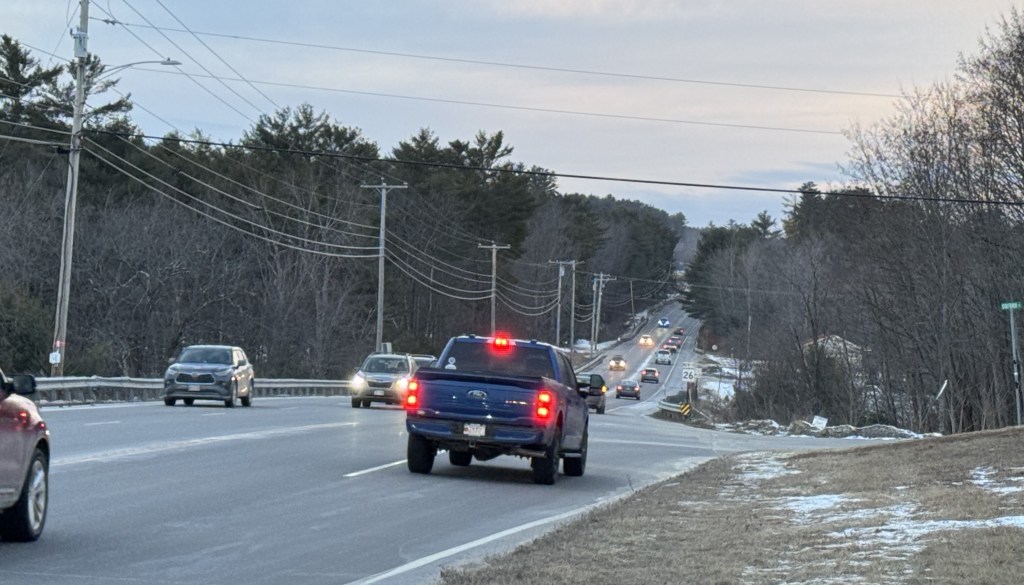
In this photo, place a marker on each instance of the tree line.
(871, 299)
(271, 241)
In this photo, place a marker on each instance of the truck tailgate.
(469, 396)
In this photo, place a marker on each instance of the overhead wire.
(492, 105)
(238, 199)
(530, 66)
(217, 209)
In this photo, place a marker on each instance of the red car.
(24, 461)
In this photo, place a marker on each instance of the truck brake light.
(412, 395)
(501, 343)
(545, 400)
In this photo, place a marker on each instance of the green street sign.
(1011, 306)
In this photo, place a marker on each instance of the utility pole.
(60, 329)
(632, 307)
(494, 275)
(599, 281)
(1011, 306)
(558, 312)
(378, 344)
(572, 313)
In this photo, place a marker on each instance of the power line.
(555, 175)
(506, 106)
(518, 65)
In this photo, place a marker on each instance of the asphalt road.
(312, 491)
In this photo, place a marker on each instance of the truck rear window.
(517, 360)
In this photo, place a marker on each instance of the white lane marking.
(214, 414)
(650, 443)
(372, 469)
(113, 455)
(471, 545)
(109, 422)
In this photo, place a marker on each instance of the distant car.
(663, 322)
(672, 344)
(629, 388)
(646, 341)
(383, 377)
(649, 375)
(423, 359)
(210, 372)
(680, 331)
(663, 356)
(597, 394)
(617, 363)
(24, 461)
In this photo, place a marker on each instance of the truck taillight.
(545, 403)
(501, 343)
(412, 395)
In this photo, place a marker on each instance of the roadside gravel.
(946, 510)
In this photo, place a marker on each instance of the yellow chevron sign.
(684, 409)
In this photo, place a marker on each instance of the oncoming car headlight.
(402, 384)
(358, 381)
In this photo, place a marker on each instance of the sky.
(749, 93)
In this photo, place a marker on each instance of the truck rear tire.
(545, 469)
(575, 466)
(420, 454)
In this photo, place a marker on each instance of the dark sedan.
(630, 388)
(210, 372)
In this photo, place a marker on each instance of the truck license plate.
(474, 430)
(378, 393)
(193, 387)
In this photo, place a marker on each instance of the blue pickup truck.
(491, 396)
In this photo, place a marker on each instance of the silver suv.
(24, 461)
(210, 372)
(383, 377)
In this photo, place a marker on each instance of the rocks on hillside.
(838, 432)
(885, 432)
(802, 427)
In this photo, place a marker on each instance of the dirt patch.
(936, 510)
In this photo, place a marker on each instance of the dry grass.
(938, 511)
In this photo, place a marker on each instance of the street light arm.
(111, 70)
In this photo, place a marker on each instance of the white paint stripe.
(214, 414)
(372, 469)
(651, 443)
(109, 422)
(471, 545)
(107, 456)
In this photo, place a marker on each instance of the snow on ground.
(985, 478)
(889, 533)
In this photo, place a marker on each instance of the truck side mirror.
(24, 384)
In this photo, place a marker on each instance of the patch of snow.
(761, 466)
(985, 478)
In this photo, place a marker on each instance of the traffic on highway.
(312, 490)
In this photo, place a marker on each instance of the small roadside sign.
(684, 409)
(690, 372)
(1010, 305)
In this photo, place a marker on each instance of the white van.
(663, 356)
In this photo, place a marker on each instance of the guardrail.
(89, 390)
